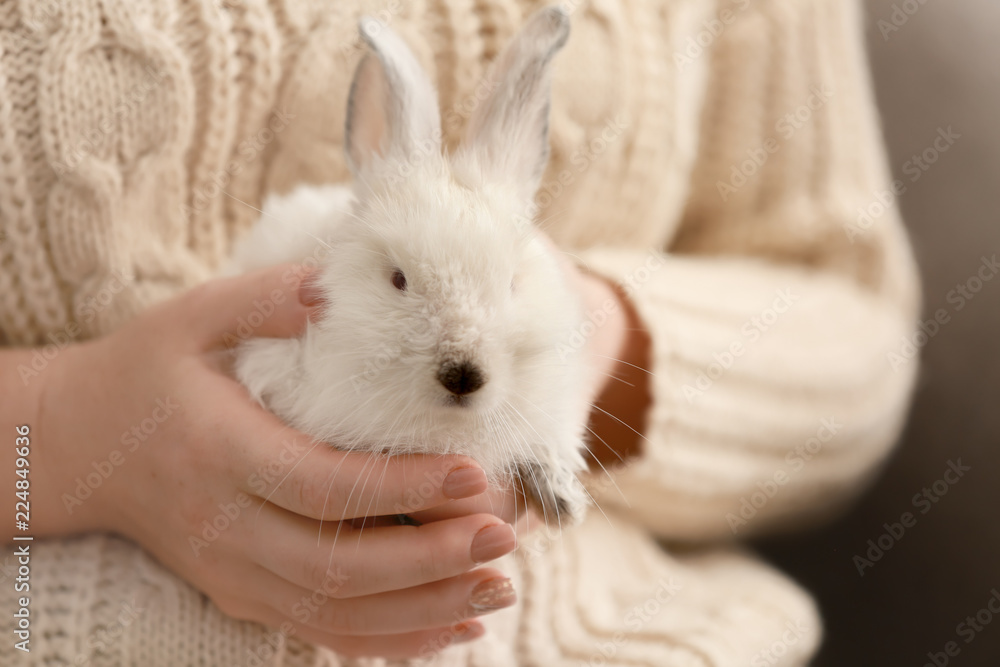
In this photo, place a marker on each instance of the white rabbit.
(446, 320)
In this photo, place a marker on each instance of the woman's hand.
(142, 433)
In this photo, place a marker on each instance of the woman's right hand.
(177, 457)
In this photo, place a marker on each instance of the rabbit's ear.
(507, 138)
(392, 111)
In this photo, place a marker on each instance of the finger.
(227, 311)
(288, 468)
(420, 644)
(501, 503)
(506, 504)
(435, 605)
(404, 646)
(374, 560)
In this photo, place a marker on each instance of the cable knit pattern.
(710, 154)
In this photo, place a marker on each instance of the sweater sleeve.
(779, 312)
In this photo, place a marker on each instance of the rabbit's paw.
(554, 491)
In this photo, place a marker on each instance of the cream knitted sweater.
(712, 155)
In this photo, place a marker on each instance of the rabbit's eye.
(399, 280)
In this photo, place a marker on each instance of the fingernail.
(492, 542)
(310, 294)
(467, 631)
(464, 482)
(493, 594)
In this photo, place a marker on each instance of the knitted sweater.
(713, 155)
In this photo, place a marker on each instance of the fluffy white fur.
(292, 227)
(481, 288)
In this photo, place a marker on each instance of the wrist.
(20, 388)
(621, 356)
(66, 501)
(605, 307)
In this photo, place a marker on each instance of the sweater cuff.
(776, 390)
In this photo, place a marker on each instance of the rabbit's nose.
(461, 378)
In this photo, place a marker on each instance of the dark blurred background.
(940, 68)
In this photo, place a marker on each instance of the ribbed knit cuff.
(772, 393)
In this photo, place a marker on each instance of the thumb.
(228, 311)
